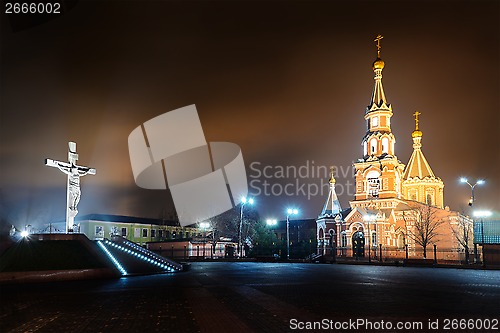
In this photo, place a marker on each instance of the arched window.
(373, 146)
(374, 238)
(401, 240)
(429, 196)
(343, 240)
(373, 181)
(321, 233)
(385, 145)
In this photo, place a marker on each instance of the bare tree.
(463, 232)
(424, 224)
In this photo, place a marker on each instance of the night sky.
(288, 81)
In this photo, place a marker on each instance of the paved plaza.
(255, 297)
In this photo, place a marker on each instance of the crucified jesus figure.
(74, 173)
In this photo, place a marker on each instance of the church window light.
(373, 146)
(365, 148)
(373, 181)
(385, 145)
(429, 200)
(375, 121)
(429, 197)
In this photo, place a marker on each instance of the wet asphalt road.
(260, 297)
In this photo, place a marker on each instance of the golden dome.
(378, 64)
(416, 134)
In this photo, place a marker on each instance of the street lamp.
(478, 182)
(271, 222)
(482, 214)
(370, 218)
(290, 211)
(244, 201)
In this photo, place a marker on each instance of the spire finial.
(416, 114)
(332, 173)
(416, 133)
(378, 39)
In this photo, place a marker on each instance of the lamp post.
(482, 214)
(271, 223)
(244, 201)
(478, 182)
(370, 218)
(290, 211)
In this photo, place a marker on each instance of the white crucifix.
(73, 191)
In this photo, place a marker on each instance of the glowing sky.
(288, 81)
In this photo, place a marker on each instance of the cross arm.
(86, 171)
(55, 164)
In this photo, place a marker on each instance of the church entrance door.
(358, 244)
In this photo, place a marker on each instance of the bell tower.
(378, 172)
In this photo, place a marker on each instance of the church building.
(396, 208)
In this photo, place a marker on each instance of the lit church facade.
(396, 207)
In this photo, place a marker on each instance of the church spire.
(378, 95)
(332, 204)
(417, 166)
(419, 182)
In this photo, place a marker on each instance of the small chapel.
(396, 207)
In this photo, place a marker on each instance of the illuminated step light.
(113, 259)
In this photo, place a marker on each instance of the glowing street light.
(478, 182)
(271, 222)
(290, 211)
(244, 201)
